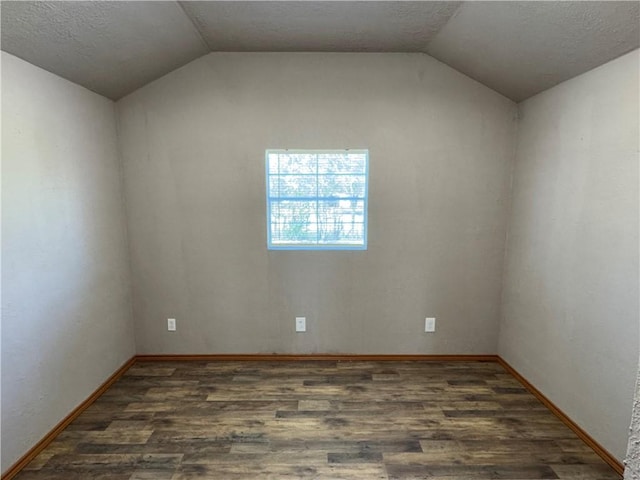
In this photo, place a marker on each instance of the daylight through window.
(317, 199)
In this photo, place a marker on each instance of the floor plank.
(317, 420)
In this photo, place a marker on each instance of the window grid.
(328, 214)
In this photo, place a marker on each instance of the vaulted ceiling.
(515, 48)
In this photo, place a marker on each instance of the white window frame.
(317, 246)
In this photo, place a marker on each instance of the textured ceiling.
(515, 48)
(111, 48)
(319, 26)
(522, 48)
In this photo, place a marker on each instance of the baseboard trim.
(583, 435)
(274, 357)
(49, 437)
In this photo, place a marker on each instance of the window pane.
(272, 163)
(341, 186)
(274, 186)
(317, 199)
(342, 163)
(298, 163)
(298, 186)
(293, 221)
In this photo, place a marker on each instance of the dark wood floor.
(317, 420)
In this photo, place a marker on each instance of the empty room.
(320, 240)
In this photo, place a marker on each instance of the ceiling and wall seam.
(196, 27)
(425, 48)
(516, 48)
(431, 57)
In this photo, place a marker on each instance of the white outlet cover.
(301, 324)
(429, 324)
(171, 324)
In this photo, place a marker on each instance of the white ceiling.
(515, 48)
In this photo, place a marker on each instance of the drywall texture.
(193, 146)
(570, 301)
(523, 48)
(632, 464)
(66, 308)
(517, 48)
(111, 48)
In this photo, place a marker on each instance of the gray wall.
(66, 309)
(193, 147)
(570, 301)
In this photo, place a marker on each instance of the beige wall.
(193, 148)
(570, 301)
(66, 309)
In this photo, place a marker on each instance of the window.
(317, 199)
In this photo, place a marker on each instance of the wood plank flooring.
(317, 420)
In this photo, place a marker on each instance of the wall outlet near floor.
(301, 324)
(429, 324)
(171, 324)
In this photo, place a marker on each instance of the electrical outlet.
(301, 324)
(171, 324)
(429, 325)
